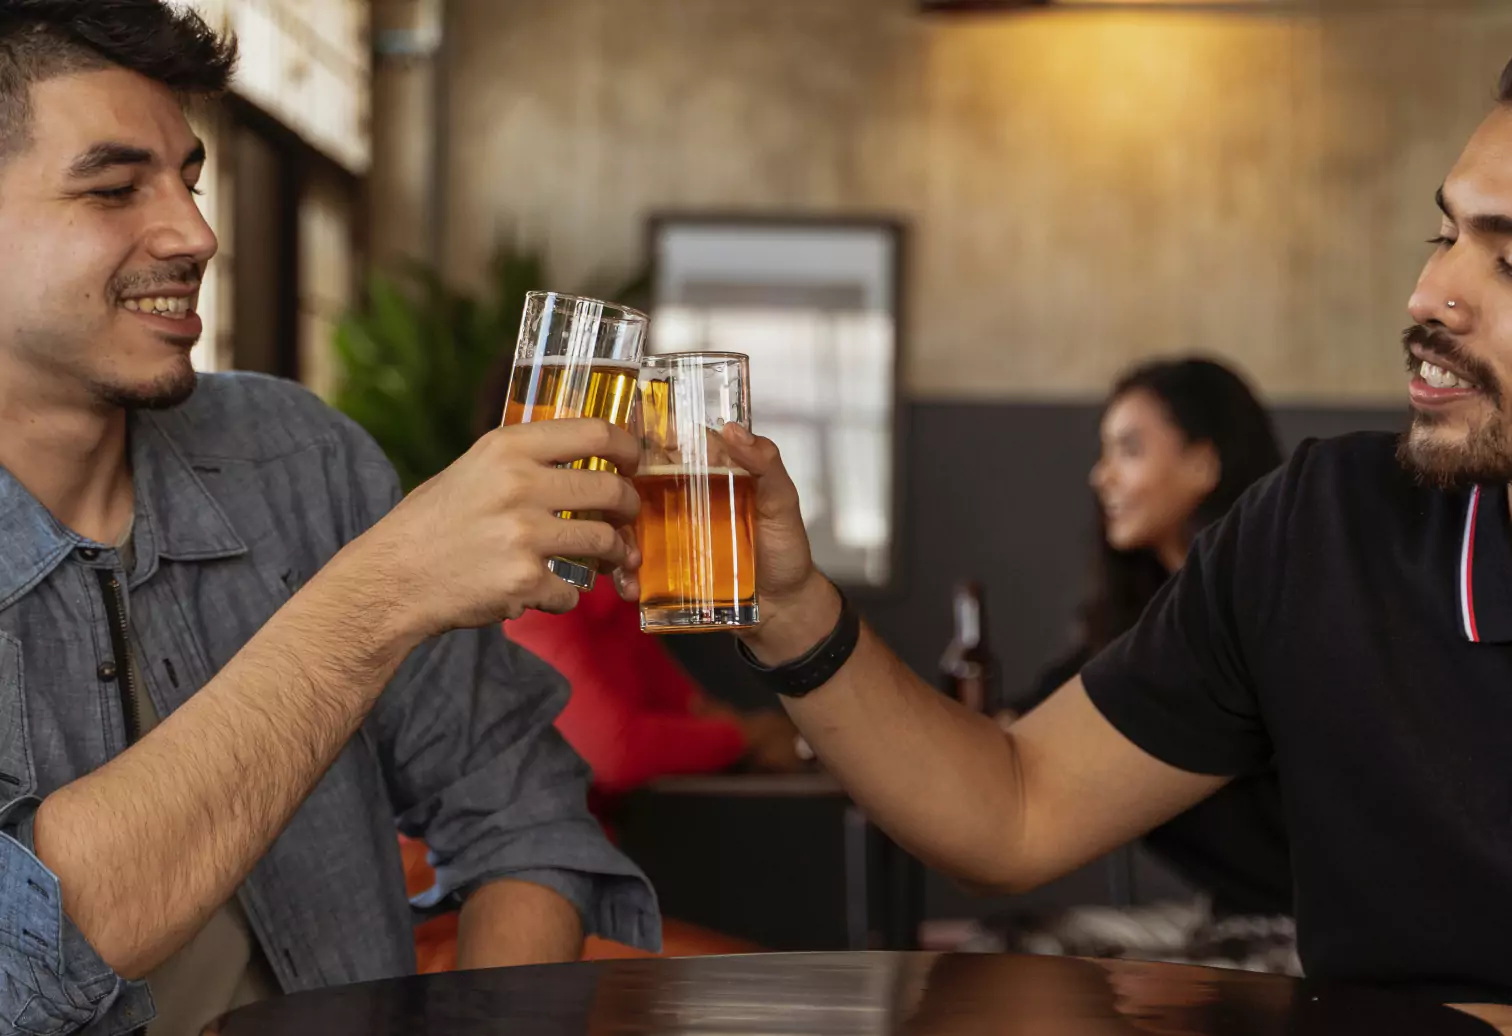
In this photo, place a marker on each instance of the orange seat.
(436, 940)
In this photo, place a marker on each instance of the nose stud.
(1451, 303)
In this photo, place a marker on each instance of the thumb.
(556, 596)
(775, 492)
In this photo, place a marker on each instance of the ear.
(1204, 465)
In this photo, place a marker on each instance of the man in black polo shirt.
(1350, 620)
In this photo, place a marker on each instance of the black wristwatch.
(816, 668)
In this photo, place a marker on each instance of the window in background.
(815, 306)
(264, 334)
(287, 153)
(309, 66)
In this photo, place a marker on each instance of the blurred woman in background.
(1181, 442)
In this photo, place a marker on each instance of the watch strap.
(819, 665)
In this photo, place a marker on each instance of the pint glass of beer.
(575, 357)
(698, 510)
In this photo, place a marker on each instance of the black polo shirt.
(1356, 628)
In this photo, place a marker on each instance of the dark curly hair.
(1504, 91)
(43, 39)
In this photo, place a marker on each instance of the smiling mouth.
(1440, 375)
(1441, 378)
(172, 307)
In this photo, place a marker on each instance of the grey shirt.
(242, 494)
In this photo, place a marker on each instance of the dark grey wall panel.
(997, 493)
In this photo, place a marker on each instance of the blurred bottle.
(968, 672)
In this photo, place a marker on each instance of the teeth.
(1439, 378)
(174, 308)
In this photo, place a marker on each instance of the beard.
(176, 385)
(1483, 456)
(77, 351)
(1430, 450)
(163, 393)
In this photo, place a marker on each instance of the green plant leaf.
(417, 357)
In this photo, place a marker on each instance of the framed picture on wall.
(816, 304)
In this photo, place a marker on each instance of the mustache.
(171, 274)
(1440, 343)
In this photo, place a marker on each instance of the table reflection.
(852, 994)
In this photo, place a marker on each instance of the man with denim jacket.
(232, 662)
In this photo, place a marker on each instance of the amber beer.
(697, 533)
(697, 525)
(575, 358)
(551, 388)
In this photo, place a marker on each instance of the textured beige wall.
(1084, 187)
(400, 187)
(328, 277)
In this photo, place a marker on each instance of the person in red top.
(635, 715)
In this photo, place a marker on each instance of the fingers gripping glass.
(697, 523)
(575, 357)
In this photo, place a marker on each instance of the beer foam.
(589, 362)
(684, 471)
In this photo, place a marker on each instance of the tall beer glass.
(698, 510)
(575, 357)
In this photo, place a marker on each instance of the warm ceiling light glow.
(979, 5)
(1005, 5)
(1170, 3)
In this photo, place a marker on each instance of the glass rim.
(695, 356)
(624, 312)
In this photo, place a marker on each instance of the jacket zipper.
(115, 609)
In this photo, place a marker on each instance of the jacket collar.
(176, 518)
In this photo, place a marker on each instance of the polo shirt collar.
(1484, 578)
(176, 518)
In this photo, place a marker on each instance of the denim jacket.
(242, 494)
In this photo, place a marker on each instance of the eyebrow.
(111, 154)
(1490, 225)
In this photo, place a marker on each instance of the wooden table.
(786, 842)
(850, 994)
